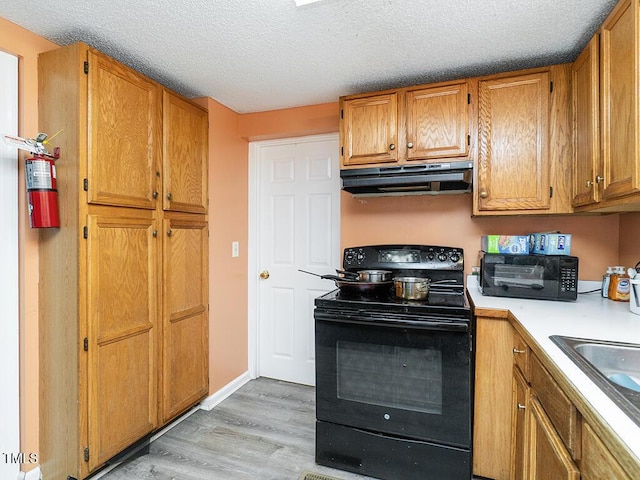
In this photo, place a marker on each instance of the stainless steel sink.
(613, 366)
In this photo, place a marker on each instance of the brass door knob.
(264, 274)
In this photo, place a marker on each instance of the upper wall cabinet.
(610, 182)
(586, 125)
(523, 143)
(124, 120)
(421, 124)
(185, 128)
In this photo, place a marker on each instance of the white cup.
(634, 295)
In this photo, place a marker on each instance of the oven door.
(394, 375)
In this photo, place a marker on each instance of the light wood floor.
(264, 431)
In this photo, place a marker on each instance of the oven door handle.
(392, 320)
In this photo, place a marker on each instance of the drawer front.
(562, 413)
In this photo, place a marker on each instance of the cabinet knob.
(155, 195)
(516, 351)
(521, 407)
(155, 233)
(589, 184)
(410, 145)
(169, 233)
(392, 146)
(484, 194)
(169, 196)
(599, 179)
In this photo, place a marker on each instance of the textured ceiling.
(256, 55)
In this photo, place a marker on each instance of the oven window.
(390, 376)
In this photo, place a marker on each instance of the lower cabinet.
(547, 457)
(525, 425)
(597, 461)
(184, 312)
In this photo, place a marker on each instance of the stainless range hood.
(426, 179)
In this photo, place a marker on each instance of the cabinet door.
(548, 458)
(185, 314)
(513, 127)
(185, 130)
(437, 122)
(492, 398)
(620, 100)
(370, 130)
(121, 330)
(123, 135)
(586, 126)
(519, 434)
(597, 461)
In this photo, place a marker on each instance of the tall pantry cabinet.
(123, 281)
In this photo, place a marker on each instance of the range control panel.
(418, 257)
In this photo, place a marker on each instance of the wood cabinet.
(526, 426)
(185, 128)
(548, 458)
(123, 307)
(520, 426)
(523, 134)
(184, 312)
(598, 463)
(586, 125)
(421, 124)
(493, 396)
(606, 84)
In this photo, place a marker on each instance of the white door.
(9, 360)
(297, 216)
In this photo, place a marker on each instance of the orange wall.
(26, 46)
(446, 220)
(228, 211)
(629, 239)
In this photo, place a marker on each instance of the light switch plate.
(235, 249)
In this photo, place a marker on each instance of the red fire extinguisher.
(42, 191)
(40, 176)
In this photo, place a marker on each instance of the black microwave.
(542, 277)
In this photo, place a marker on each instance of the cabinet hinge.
(85, 184)
(468, 139)
(342, 113)
(550, 192)
(551, 87)
(86, 454)
(86, 67)
(85, 232)
(86, 344)
(469, 98)
(341, 151)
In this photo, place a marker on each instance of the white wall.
(9, 340)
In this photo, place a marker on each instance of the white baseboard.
(213, 400)
(33, 474)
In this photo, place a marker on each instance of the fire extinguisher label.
(38, 174)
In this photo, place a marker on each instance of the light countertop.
(592, 317)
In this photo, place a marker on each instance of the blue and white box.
(550, 243)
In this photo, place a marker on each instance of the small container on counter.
(619, 285)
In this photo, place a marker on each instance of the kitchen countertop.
(592, 317)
